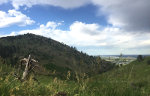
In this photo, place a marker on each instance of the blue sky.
(96, 27)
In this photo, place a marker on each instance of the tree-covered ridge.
(51, 54)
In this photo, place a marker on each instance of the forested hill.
(51, 54)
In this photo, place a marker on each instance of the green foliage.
(47, 51)
(148, 62)
(129, 80)
(140, 58)
(59, 71)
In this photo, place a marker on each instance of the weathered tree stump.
(30, 64)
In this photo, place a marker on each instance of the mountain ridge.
(51, 54)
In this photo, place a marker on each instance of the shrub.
(148, 62)
(140, 58)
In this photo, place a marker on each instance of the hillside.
(52, 55)
(130, 80)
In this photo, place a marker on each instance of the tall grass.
(130, 80)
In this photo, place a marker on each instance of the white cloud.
(109, 40)
(5, 35)
(14, 17)
(130, 18)
(130, 15)
(80, 35)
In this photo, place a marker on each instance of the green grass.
(129, 80)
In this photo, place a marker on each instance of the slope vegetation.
(130, 80)
(52, 55)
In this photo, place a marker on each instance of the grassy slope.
(130, 80)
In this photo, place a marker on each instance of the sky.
(96, 27)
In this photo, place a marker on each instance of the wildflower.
(1, 78)
(55, 79)
(17, 88)
(68, 75)
(12, 95)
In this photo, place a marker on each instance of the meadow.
(129, 80)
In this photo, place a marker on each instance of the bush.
(148, 62)
(140, 58)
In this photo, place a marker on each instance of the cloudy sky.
(97, 27)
